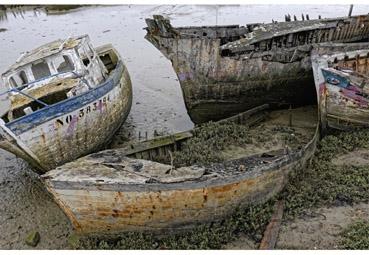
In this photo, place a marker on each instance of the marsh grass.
(324, 183)
(356, 236)
(207, 143)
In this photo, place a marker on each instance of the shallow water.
(157, 99)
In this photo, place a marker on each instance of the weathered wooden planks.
(271, 232)
(228, 69)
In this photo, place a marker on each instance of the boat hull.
(217, 84)
(72, 128)
(97, 206)
(341, 75)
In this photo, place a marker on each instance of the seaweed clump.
(212, 141)
(207, 143)
(356, 236)
(325, 183)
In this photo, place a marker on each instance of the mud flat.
(322, 228)
(157, 105)
(28, 207)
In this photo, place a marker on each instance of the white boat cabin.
(52, 73)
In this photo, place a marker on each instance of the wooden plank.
(271, 233)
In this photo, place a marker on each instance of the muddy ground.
(157, 106)
(317, 229)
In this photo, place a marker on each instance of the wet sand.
(157, 99)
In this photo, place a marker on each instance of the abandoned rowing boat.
(140, 187)
(342, 84)
(224, 70)
(66, 100)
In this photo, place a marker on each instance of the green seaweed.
(356, 236)
(324, 183)
(207, 143)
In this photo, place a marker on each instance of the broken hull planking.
(215, 83)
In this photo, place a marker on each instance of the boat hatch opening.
(109, 59)
(25, 100)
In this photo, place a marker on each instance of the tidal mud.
(158, 107)
(27, 207)
(327, 228)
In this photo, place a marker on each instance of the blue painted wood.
(335, 79)
(47, 113)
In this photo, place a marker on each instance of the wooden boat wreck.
(342, 84)
(66, 100)
(126, 189)
(224, 70)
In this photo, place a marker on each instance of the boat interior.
(346, 67)
(355, 65)
(269, 132)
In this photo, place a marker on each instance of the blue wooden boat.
(67, 99)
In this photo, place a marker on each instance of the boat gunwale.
(182, 35)
(262, 23)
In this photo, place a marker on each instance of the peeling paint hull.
(224, 70)
(72, 128)
(104, 205)
(341, 81)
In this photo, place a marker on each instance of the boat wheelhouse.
(66, 100)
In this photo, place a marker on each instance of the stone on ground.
(33, 238)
